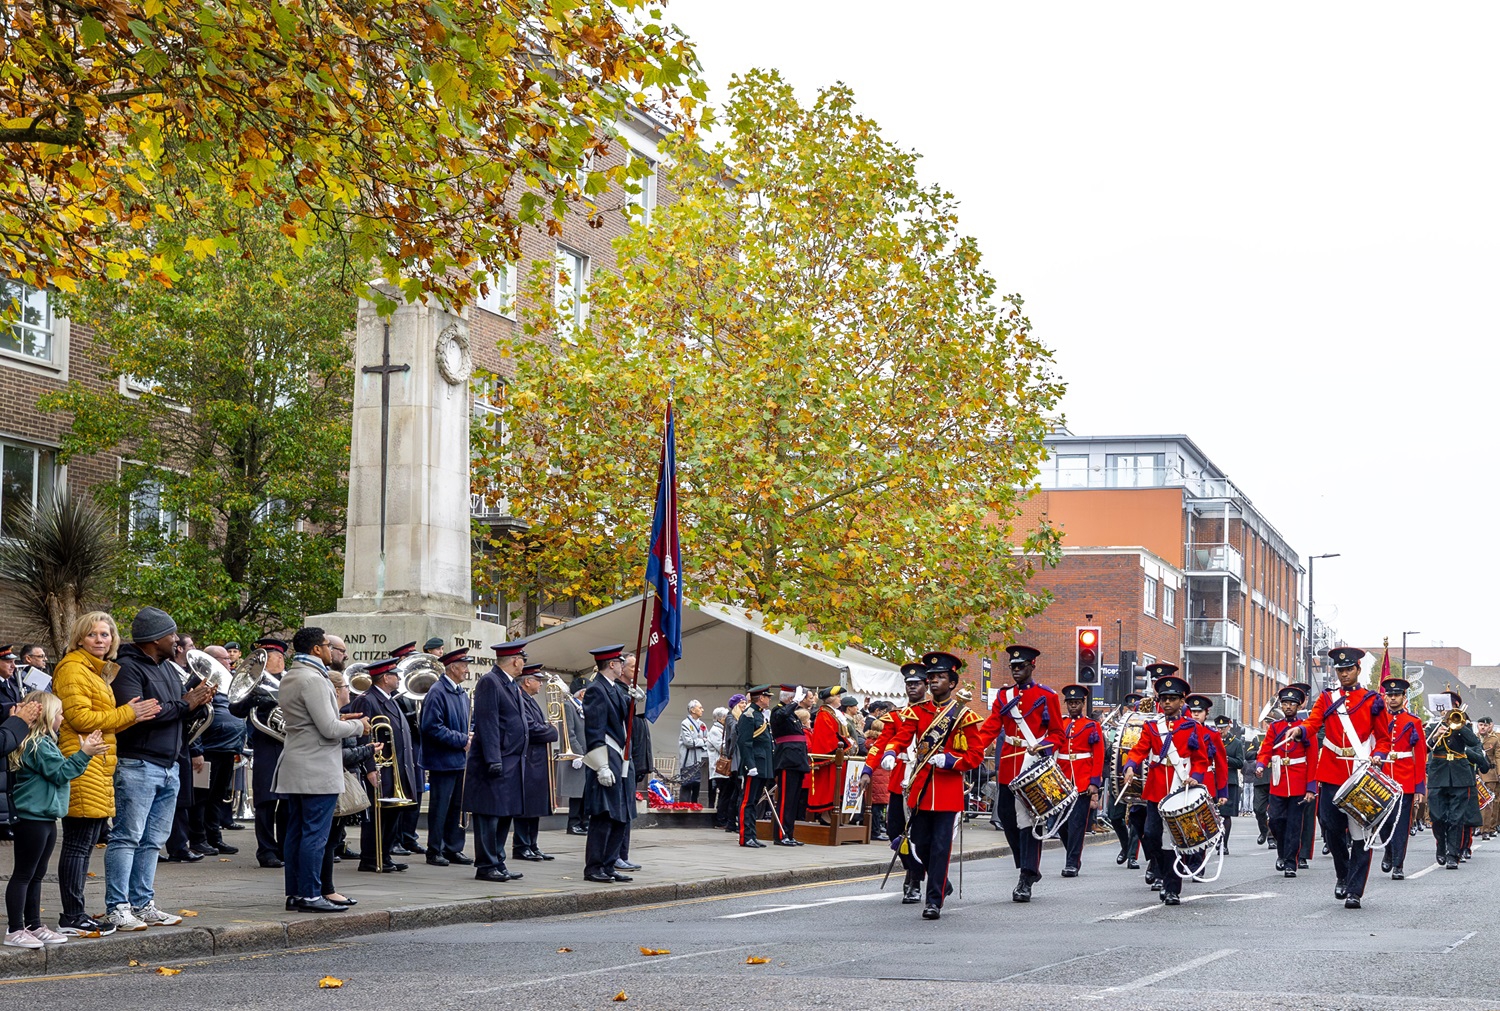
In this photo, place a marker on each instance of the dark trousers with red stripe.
(1284, 815)
(751, 798)
(931, 835)
(791, 799)
(1351, 860)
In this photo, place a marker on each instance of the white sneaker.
(47, 936)
(123, 919)
(22, 939)
(153, 917)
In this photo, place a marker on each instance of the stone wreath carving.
(453, 359)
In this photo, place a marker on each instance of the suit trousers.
(1309, 824)
(791, 800)
(1284, 818)
(445, 833)
(1395, 850)
(1075, 830)
(489, 842)
(1351, 859)
(576, 820)
(1025, 848)
(1261, 806)
(606, 836)
(270, 829)
(1164, 859)
(524, 832)
(932, 841)
(751, 799)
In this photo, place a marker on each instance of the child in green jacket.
(39, 797)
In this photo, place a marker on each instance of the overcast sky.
(1270, 227)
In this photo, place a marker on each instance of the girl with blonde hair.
(39, 797)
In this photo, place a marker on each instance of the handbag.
(723, 766)
(354, 797)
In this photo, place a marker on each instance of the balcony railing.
(479, 510)
(1215, 557)
(1212, 633)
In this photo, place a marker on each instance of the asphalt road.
(1253, 939)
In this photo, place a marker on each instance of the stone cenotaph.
(407, 564)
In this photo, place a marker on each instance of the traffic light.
(1087, 654)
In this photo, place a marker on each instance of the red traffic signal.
(1086, 654)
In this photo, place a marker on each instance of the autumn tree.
(859, 415)
(232, 419)
(422, 134)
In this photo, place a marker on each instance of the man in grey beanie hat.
(151, 624)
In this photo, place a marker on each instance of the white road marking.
(1423, 872)
(1157, 977)
(638, 963)
(874, 897)
(1461, 940)
(1227, 896)
(1054, 965)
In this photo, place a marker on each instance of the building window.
(147, 516)
(1136, 470)
(26, 479)
(645, 199)
(1168, 606)
(572, 285)
(1073, 471)
(1150, 595)
(31, 334)
(501, 299)
(489, 417)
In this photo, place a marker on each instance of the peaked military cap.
(1344, 657)
(1160, 669)
(1075, 693)
(1171, 684)
(914, 671)
(1021, 654)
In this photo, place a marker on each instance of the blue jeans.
(309, 818)
(145, 801)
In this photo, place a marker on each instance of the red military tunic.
(1407, 759)
(1371, 722)
(1218, 760)
(1082, 754)
(888, 729)
(1191, 747)
(1037, 706)
(1299, 760)
(946, 790)
(825, 737)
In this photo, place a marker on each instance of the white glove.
(577, 763)
(752, 773)
(606, 777)
(799, 694)
(637, 692)
(945, 761)
(888, 762)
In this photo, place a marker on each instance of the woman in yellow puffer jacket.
(81, 681)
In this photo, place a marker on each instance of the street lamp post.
(1403, 651)
(1310, 562)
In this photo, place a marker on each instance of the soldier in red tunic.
(1407, 765)
(1355, 728)
(1173, 749)
(915, 676)
(1082, 761)
(1293, 764)
(826, 737)
(942, 731)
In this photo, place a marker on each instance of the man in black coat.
(608, 794)
(407, 819)
(379, 702)
(494, 783)
(791, 762)
(537, 768)
(270, 806)
(752, 741)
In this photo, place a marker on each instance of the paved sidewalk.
(240, 907)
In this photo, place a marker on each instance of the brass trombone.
(557, 702)
(385, 759)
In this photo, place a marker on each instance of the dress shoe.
(911, 894)
(319, 905)
(400, 851)
(1281, 865)
(416, 848)
(396, 865)
(291, 903)
(271, 863)
(1397, 874)
(549, 856)
(1352, 902)
(372, 869)
(531, 855)
(786, 842)
(584, 831)
(350, 854)
(1157, 886)
(1022, 891)
(1120, 859)
(1070, 872)
(1302, 863)
(345, 901)
(234, 826)
(1451, 865)
(603, 879)
(1133, 864)
(798, 842)
(622, 877)
(461, 859)
(496, 874)
(621, 864)
(1326, 850)
(1260, 840)
(187, 857)
(1339, 891)
(205, 849)
(932, 913)
(754, 844)
(1385, 866)
(224, 848)
(1170, 899)
(1289, 873)
(437, 860)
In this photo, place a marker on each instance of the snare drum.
(1043, 787)
(1486, 795)
(1369, 796)
(1191, 819)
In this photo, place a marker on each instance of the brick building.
(1172, 562)
(44, 351)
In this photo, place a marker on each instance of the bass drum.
(1131, 728)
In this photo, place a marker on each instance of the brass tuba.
(357, 678)
(250, 681)
(203, 669)
(418, 673)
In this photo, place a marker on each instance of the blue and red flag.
(664, 576)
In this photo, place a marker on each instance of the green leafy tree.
(234, 426)
(859, 415)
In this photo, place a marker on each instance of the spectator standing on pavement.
(15, 723)
(12, 691)
(33, 668)
(146, 775)
(310, 773)
(726, 812)
(692, 743)
(81, 683)
(39, 797)
(717, 780)
(445, 728)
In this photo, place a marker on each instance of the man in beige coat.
(1489, 739)
(311, 770)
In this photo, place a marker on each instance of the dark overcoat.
(606, 707)
(499, 737)
(536, 767)
(373, 704)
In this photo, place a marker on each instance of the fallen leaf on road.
(562, 950)
(756, 960)
(656, 951)
(188, 912)
(162, 970)
(222, 860)
(329, 983)
(621, 996)
(92, 874)
(134, 962)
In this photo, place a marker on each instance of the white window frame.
(45, 477)
(1082, 472)
(501, 299)
(23, 332)
(1168, 606)
(168, 523)
(572, 296)
(1151, 588)
(57, 330)
(645, 197)
(1152, 475)
(488, 405)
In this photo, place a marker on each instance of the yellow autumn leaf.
(162, 970)
(562, 950)
(187, 912)
(756, 960)
(329, 983)
(621, 996)
(656, 951)
(134, 962)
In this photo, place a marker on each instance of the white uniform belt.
(1019, 742)
(1401, 754)
(614, 745)
(1293, 761)
(1076, 756)
(1341, 752)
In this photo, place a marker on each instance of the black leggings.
(78, 838)
(23, 896)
